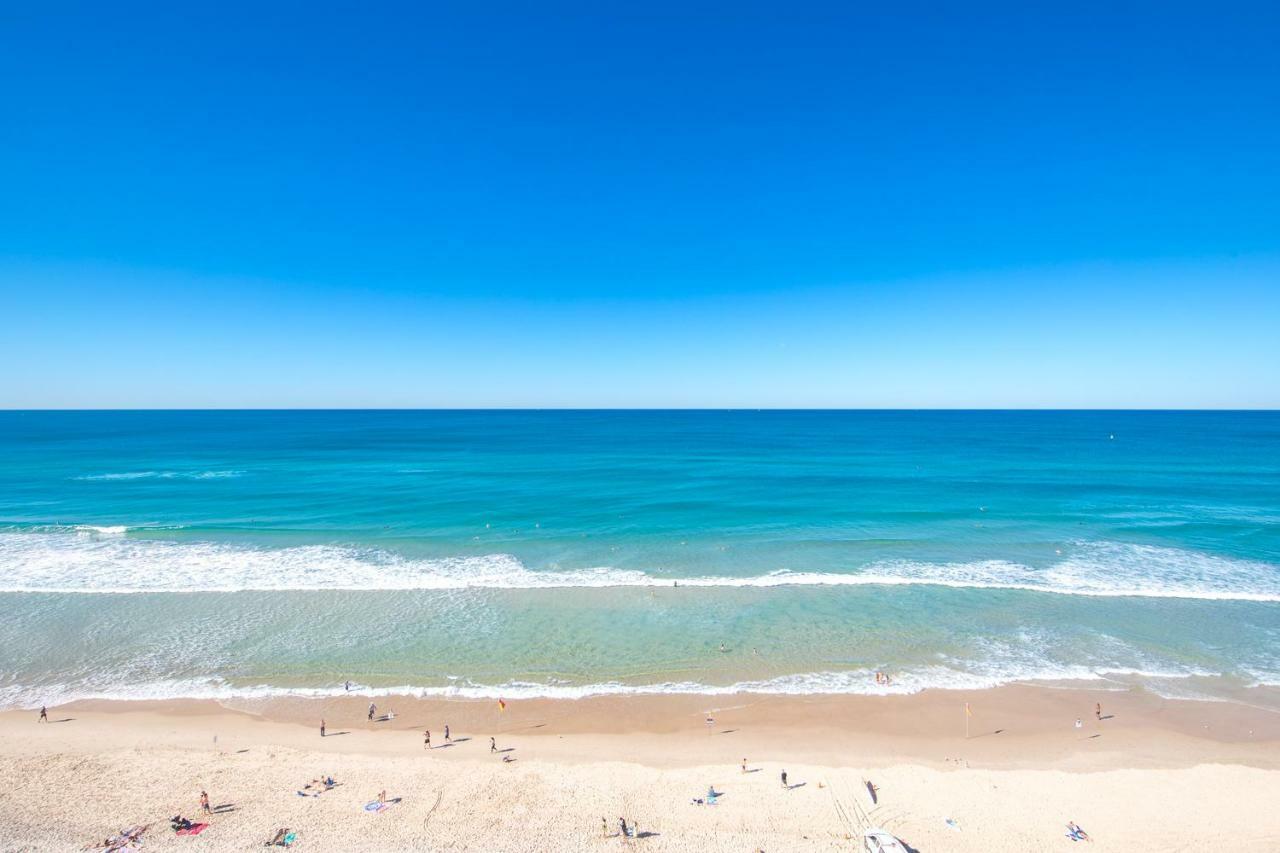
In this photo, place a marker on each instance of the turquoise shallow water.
(565, 553)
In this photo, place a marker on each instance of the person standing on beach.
(447, 739)
(784, 778)
(44, 715)
(1097, 711)
(372, 708)
(348, 686)
(744, 765)
(426, 739)
(204, 802)
(322, 728)
(493, 746)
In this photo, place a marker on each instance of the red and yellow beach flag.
(967, 710)
(502, 704)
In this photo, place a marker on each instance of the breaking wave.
(105, 559)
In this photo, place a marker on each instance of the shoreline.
(1011, 785)
(1010, 726)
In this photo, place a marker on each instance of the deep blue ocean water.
(563, 553)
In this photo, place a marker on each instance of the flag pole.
(967, 715)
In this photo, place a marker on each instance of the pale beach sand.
(1158, 775)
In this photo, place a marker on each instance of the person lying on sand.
(1075, 833)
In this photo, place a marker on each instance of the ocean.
(234, 554)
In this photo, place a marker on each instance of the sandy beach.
(1153, 774)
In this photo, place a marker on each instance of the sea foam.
(161, 475)
(850, 682)
(103, 559)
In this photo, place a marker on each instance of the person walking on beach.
(447, 739)
(744, 765)
(426, 739)
(322, 728)
(493, 746)
(372, 709)
(1097, 711)
(784, 778)
(44, 715)
(204, 802)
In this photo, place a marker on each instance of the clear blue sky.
(793, 204)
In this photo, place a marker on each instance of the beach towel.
(290, 838)
(194, 829)
(376, 806)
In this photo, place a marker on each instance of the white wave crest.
(851, 682)
(162, 475)
(106, 560)
(100, 530)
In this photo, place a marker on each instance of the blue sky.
(682, 205)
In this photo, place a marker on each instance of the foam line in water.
(160, 475)
(104, 559)
(851, 682)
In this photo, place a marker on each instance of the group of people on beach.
(426, 737)
(426, 734)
